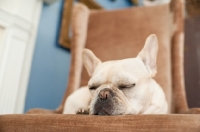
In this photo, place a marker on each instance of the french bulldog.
(120, 87)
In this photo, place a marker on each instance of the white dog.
(120, 87)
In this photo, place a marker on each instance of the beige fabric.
(121, 34)
(178, 91)
(81, 123)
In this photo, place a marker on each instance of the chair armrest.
(79, 123)
(192, 111)
(41, 111)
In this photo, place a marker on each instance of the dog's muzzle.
(104, 104)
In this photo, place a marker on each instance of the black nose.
(105, 94)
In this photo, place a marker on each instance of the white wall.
(18, 28)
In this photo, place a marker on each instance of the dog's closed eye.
(126, 86)
(93, 87)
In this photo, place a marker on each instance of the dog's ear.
(90, 61)
(149, 54)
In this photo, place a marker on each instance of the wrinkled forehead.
(120, 71)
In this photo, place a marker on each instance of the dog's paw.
(83, 111)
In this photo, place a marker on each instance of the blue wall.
(114, 4)
(50, 66)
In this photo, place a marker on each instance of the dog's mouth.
(110, 107)
(108, 102)
(102, 112)
(103, 107)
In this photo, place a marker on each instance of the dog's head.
(118, 87)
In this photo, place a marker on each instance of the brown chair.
(115, 35)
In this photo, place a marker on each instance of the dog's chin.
(110, 107)
(103, 112)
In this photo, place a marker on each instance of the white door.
(18, 28)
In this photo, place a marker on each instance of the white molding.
(16, 51)
(19, 108)
(15, 20)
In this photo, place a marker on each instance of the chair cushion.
(80, 123)
(122, 33)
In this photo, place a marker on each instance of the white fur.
(146, 97)
(79, 99)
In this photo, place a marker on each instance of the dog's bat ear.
(90, 61)
(149, 54)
